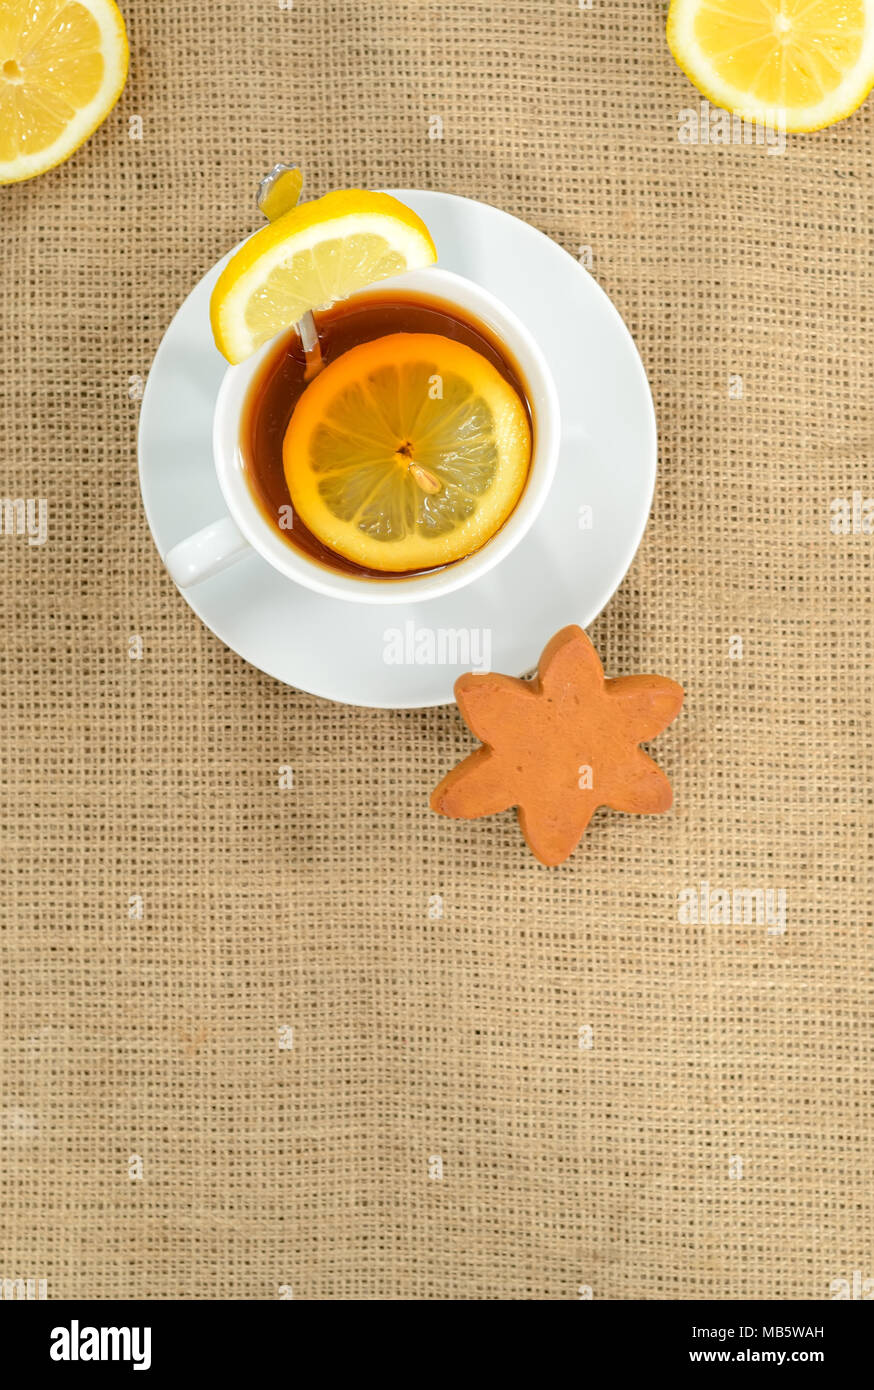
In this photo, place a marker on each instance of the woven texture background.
(565, 1167)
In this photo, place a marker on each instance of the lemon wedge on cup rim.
(308, 258)
(798, 65)
(63, 64)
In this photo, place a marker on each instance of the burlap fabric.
(558, 1086)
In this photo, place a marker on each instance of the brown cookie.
(559, 746)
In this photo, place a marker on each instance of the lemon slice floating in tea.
(407, 452)
(63, 64)
(308, 258)
(799, 64)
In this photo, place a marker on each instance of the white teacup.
(224, 541)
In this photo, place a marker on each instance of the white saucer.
(564, 571)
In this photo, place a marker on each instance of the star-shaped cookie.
(559, 746)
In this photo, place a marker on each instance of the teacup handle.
(207, 552)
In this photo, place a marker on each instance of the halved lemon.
(407, 452)
(795, 64)
(63, 64)
(308, 258)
